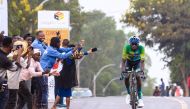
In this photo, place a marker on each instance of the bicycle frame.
(133, 88)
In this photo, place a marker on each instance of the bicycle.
(133, 86)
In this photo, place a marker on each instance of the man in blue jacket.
(39, 42)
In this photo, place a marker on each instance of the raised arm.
(59, 55)
(62, 49)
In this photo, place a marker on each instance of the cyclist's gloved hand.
(122, 76)
(123, 72)
(143, 76)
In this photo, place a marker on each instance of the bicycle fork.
(133, 88)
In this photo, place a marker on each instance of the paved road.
(119, 103)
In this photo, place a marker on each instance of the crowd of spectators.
(26, 62)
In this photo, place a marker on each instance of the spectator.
(67, 78)
(28, 41)
(47, 61)
(33, 38)
(61, 103)
(162, 87)
(28, 38)
(178, 91)
(13, 76)
(39, 42)
(173, 90)
(34, 69)
(16, 38)
(156, 91)
(167, 91)
(6, 64)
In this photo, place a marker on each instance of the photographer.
(6, 64)
(68, 76)
(14, 75)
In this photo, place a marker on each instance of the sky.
(117, 8)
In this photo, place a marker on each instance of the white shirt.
(14, 77)
(34, 70)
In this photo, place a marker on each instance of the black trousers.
(4, 95)
(11, 104)
(25, 96)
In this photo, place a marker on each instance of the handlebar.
(124, 74)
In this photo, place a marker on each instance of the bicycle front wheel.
(133, 100)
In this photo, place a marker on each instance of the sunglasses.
(134, 44)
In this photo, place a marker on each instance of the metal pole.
(42, 3)
(105, 88)
(78, 72)
(94, 86)
(109, 65)
(96, 75)
(78, 69)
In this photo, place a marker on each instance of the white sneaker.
(127, 99)
(140, 103)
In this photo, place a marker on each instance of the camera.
(18, 46)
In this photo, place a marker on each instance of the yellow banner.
(49, 33)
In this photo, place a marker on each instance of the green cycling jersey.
(133, 55)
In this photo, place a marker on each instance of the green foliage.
(95, 28)
(100, 31)
(148, 86)
(23, 15)
(167, 23)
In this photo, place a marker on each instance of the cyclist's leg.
(139, 88)
(139, 83)
(127, 85)
(128, 67)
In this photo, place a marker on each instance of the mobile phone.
(94, 49)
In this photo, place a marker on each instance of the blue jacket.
(51, 54)
(39, 45)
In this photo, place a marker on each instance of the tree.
(148, 86)
(23, 15)
(165, 22)
(100, 31)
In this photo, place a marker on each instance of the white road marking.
(180, 101)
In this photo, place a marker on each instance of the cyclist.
(133, 57)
